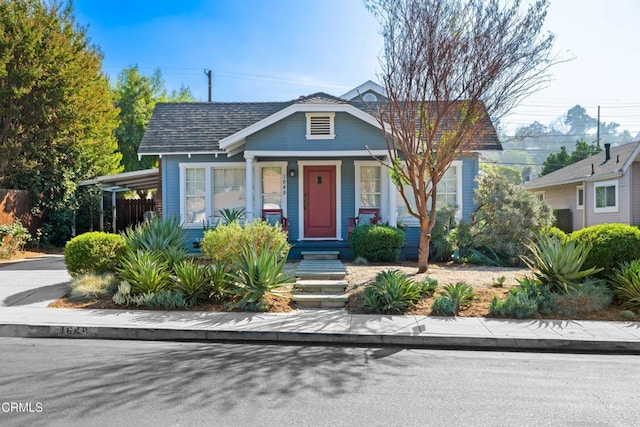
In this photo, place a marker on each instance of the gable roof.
(198, 127)
(221, 127)
(367, 86)
(593, 168)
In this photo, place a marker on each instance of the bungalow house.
(309, 157)
(604, 188)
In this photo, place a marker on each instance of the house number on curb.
(74, 331)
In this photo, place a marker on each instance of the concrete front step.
(321, 269)
(320, 255)
(319, 300)
(320, 286)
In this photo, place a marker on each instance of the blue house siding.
(470, 167)
(171, 202)
(288, 134)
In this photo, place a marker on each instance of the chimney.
(607, 152)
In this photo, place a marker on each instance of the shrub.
(12, 239)
(626, 284)
(224, 244)
(627, 315)
(524, 301)
(391, 292)
(94, 252)
(220, 282)
(145, 272)
(440, 245)
(90, 286)
(506, 218)
(558, 264)
(611, 245)
(165, 299)
(452, 298)
(192, 280)
(589, 297)
(256, 274)
(377, 243)
(360, 261)
(427, 286)
(555, 232)
(156, 235)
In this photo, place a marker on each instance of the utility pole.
(208, 74)
(598, 129)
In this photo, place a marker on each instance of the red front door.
(320, 201)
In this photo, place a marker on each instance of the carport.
(142, 180)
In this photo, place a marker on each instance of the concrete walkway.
(27, 287)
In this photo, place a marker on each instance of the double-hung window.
(579, 197)
(449, 194)
(207, 188)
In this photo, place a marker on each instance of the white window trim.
(541, 193)
(611, 183)
(301, 165)
(208, 187)
(384, 191)
(332, 133)
(579, 206)
(257, 185)
(413, 222)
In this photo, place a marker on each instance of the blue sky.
(270, 50)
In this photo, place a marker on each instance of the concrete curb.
(562, 345)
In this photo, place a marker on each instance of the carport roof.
(146, 179)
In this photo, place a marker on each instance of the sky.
(277, 50)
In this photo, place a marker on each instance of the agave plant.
(626, 284)
(145, 271)
(452, 298)
(231, 215)
(156, 235)
(391, 292)
(192, 280)
(256, 275)
(558, 263)
(220, 281)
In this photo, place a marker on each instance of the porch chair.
(365, 216)
(274, 216)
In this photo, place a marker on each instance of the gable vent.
(320, 126)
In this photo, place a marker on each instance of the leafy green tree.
(555, 161)
(511, 174)
(559, 160)
(57, 119)
(579, 121)
(136, 96)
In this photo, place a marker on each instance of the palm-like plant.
(558, 263)
(391, 292)
(626, 284)
(257, 274)
(231, 215)
(193, 280)
(156, 235)
(145, 271)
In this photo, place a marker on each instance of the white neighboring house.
(604, 188)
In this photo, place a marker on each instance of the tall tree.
(447, 65)
(136, 96)
(556, 161)
(57, 119)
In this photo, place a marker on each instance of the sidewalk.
(38, 282)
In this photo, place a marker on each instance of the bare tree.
(448, 66)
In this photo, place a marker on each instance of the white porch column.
(249, 184)
(393, 202)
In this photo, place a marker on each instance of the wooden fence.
(131, 212)
(16, 204)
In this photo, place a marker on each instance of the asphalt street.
(108, 383)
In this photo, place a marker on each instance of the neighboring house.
(311, 157)
(604, 188)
